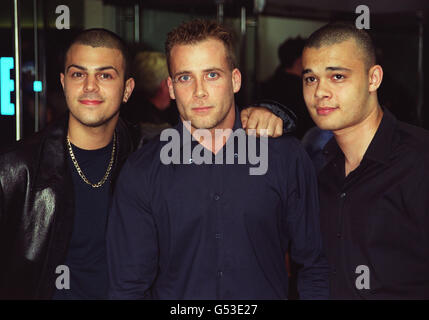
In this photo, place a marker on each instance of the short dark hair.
(290, 50)
(338, 32)
(98, 37)
(198, 30)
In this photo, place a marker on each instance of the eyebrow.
(97, 69)
(328, 69)
(337, 69)
(205, 70)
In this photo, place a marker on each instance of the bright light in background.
(37, 86)
(7, 86)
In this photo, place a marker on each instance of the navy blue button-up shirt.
(213, 231)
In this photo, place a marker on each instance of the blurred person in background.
(150, 107)
(285, 85)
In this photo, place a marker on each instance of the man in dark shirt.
(374, 187)
(195, 229)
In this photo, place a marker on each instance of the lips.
(325, 110)
(90, 102)
(201, 109)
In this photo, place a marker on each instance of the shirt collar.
(381, 144)
(331, 149)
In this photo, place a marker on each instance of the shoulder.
(413, 140)
(17, 162)
(29, 150)
(147, 157)
(20, 151)
(286, 146)
(286, 154)
(410, 151)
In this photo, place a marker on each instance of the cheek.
(308, 94)
(349, 94)
(114, 90)
(217, 90)
(71, 92)
(183, 94)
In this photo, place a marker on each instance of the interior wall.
(156, 24)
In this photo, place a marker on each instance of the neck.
(211, 141)
(91, 138)
(354, 141)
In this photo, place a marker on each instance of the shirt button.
(236, 155)
(216, 197)
(342, 195)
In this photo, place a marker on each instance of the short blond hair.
(150, 69)
(199, 30)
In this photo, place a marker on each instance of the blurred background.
(28, 31)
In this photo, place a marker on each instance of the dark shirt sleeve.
(132, 247)
(281, 111)
(303, 225)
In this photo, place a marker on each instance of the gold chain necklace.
(79, 170)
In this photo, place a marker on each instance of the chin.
(95, 122)
(325, 125)
(201, 123)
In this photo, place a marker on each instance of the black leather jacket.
(37, 210)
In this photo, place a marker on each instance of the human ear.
(129, 87)
(170, 88)
(375, 74)
(236, 80)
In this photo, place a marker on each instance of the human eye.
(338, 77)
(309, 79)
(77, 74)
(105, 76)
(183, 78)
(212, 75)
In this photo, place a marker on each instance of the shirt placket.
(341, 197)
(218, 199)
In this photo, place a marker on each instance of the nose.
(200, 90)
(322, 90)
(90, 84)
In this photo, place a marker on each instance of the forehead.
(199, 56)
(344, 54)
(87, 56)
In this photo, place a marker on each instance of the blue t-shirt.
(86, 256)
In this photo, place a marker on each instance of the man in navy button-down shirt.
(185, 222)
